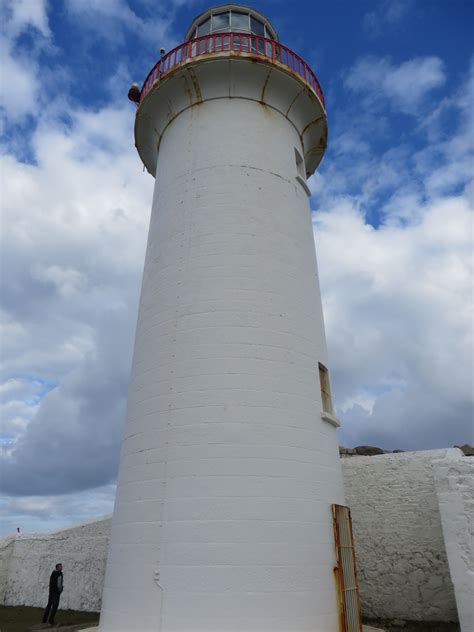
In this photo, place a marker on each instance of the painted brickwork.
(222, 517)
(402, 562)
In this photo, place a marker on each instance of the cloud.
(77, 222)
(40, 513)
(19, 86)
(113, 20)
(20, 83)
(403, 87)
(387, 14)
(445, 164)
(19, 15)
(398, 324)
(74, 440)
(392, 170)
(17, 408)
(397, 294)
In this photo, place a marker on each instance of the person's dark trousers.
(51, 608)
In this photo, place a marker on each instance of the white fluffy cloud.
(398, 299)
(77, 227)
(18, 86)
(22, 82)
(18, 15)
(398, 319)
(404, 86)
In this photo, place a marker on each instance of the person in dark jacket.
(55, 590)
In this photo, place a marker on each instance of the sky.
(392, 215)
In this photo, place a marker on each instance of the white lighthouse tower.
(230, 461)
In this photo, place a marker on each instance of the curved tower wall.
(223, 515)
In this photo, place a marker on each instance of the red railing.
(245, 43)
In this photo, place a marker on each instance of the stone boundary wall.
(401, 557)
(454, 483)
(26, 562)
(400, 546)
(6, 550)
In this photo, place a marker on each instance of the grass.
(21, 618)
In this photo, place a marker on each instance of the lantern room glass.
(232, 21)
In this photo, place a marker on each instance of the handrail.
(245, 43)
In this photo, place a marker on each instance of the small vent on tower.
(300, 165)
(301, 172)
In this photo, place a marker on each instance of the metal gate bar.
(345, 570)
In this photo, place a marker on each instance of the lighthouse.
(229, 464)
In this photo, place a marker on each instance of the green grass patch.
(21, 618)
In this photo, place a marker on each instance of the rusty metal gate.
(346, 573)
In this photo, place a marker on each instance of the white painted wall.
(26, 562)
(223, 511)
(6, 550)
(454, 483)
(402, 562)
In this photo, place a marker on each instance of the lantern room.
(227, 18)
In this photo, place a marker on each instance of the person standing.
(55, 590)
